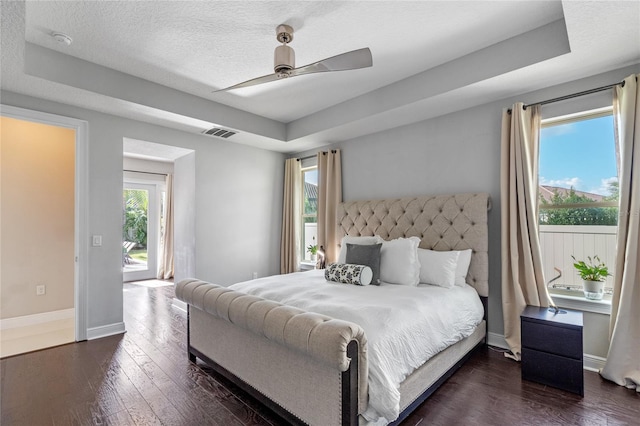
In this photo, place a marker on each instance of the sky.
(311, 176)
(579, 155)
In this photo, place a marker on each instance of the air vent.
(221, 133)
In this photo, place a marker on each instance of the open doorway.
(142, 223)
(43, 228)
(149, 210)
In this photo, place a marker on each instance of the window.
(309, 213)
(578, 194)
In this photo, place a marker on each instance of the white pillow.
(399, 261)
(363, 241)
(438, 267)
(464, 260)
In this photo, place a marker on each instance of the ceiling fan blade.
(254, 81)
(353, 60)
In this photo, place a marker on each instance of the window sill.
(582, 304)
(307, 266)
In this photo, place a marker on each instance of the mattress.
(405, 326)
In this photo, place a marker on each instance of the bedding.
(347, 273)
(348, 239)
(462, 269)
(368, 255)
(399, 261)
(438, 267)
(404, 325)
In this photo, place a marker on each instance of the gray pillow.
(368, 255)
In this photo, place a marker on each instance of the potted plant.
(313, 249)
(593, 273)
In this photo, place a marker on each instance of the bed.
(319, 369)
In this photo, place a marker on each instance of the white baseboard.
(495, 339)
(36, 319)
(590, 362)
(593, 363)
(105, 330)
(179, 304)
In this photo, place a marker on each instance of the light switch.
(97, 240)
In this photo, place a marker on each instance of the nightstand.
(552, 348)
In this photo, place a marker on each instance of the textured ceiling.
(429, 58)
(198, 47)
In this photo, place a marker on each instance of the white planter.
(314, 257)
(593, 290)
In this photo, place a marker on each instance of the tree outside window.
(578, 196)
(309, 212)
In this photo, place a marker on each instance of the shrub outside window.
(578, 197)
(309, 214)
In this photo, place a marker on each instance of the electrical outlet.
(255, 275)
(40, 290)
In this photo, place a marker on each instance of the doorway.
(141, 203)
(152, 163)
(44, 247)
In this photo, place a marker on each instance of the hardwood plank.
(190, 378)
(500, 397)
(202, 386)
(121, 418)
(159, 403)
(22, 415)
(184, 403)
(137, 407)
(144, 377)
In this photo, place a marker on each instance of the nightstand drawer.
(553, 370)
(552, 339)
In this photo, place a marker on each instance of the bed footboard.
(309, 368)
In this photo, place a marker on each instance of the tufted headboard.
(442, 222)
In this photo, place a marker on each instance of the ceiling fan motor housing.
(284, 60)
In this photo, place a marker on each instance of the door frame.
(153, 227)
(81, 198)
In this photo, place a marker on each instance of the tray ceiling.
(160, 61)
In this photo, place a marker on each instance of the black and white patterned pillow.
(348, 273)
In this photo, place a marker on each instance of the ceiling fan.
(284, 62)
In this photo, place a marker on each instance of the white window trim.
(582, 304)
(577, 116)
(563, 300)
(306, 264)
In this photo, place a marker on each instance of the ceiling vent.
(221, 133)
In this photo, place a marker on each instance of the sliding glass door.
(140, 229)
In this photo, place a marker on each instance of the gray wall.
(184, 221)
(238, 189)
(460, 152)
(238, 199)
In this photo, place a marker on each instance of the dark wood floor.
(143, 377)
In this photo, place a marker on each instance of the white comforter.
(405, 326)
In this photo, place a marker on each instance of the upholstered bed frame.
(310, 368)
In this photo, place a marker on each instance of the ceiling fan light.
(284, 59)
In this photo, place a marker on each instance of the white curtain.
(623, 359)
(329, 196)
(165, 264)
(523, 280)
(291, 217)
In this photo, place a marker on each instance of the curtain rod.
(333, 151)
(148, 173)
(573, 95)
